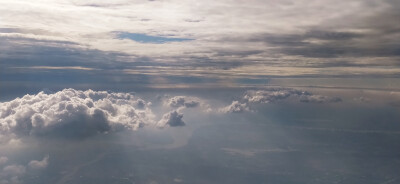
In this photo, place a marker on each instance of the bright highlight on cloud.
(73, 113)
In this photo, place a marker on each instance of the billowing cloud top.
(73, 113)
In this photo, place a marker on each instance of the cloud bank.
(73, 113)
(274, 95)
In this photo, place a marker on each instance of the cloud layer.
(264, 39)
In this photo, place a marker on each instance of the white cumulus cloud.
(73, 113)
(173, 118)
(235, 107)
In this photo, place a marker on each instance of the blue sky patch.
(143, 38)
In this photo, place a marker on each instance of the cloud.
(187, 102)
(12, 174)
(14, 170)
(272, 95)
(318, 99)
(277, 94)
(36, 164)
(235, 107)
(172, 119)
(73, 113)
(3, 160)
(183, 101)
(351, 31)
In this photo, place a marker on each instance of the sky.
(230, 91)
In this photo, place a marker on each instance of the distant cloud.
(73, 113)
(14, 170)
(319, 99)
(362, 99)
(235, 107)
(12, 174)
(187, 102)
(272, 95)
(3, 160)
(277, 94)
(39, 164)
(173, 118)
(183, 101)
